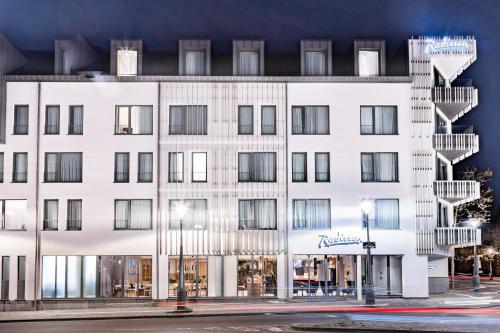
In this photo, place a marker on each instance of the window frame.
(139, 180)
(255, 215)
(192, 167)
(67, 214)
(316, 168)
(16, 106)
(127, 50)
(129, 120)
(2, 215)
(44, 228)
(46, 116)
(71, 109)
(58, 167)
(305, 179)
(170, 153)
(307, 223)
(252, 132)
(2, 167)
(184, 124)
(129, 215)
(303, 111)
(368, 49)
(375, 220)
(252, 153)
(373, 164)
(373, 119)
(275, 131)
(128, 167)
(14, 167)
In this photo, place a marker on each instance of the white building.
(272, 155)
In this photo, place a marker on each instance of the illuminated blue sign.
(445, 45)
(340, 239)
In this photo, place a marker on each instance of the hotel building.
(272, 154)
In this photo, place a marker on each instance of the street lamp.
(366, 206)
(476, 282)
(181, 210)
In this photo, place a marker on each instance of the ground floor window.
(257, 276)
(195, 276)
(96, 276)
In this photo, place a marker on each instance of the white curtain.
(199, 167)
(52, 119)
(140, 214)
(316, 120)
(71, 167)
(21, 119)
(145, 167)
(246, 215)
(141, 119)
(244, 167)
(15, 214)
(385, 167)
(76, 120)
(196, 217)
(176, 120)
(368, 63)
(1, 167)
(195, 63)
(299, 167)
(367, 173)
(263, 167)
(51, 215)
(387, 213)
(121, 214)
(188, 119)
(121, 167)
(248, 63)
(175, 167)
(367, 120)
(265, 213)
(318, 214)
(385, 120)
(51, 167)
(299, 214)
(297, 120)
(315, 63)
(74, 214)
(268, 121)
(245, 119)
(126, 62)
(20, 167)
(322, 167)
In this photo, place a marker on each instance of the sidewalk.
(464, 302)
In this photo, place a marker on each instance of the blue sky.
(34, 24)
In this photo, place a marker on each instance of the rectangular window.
(52, 119)
(145, 168)
(188, 120)
(195, 62)
(315, 63)
(322, 167)
(13, 214)
(63, 167)
(21, 117)
(311, 214)
(75, 120)
(175, 167)
(257, 167)
(299, 167)
(379, 167)
(199, 167)
(379, 120)
(133, 214)
(369, 63)
(196, 217)
(268, 120)
(135, 119)
(1, 167)
(20, 168)
(257, 214)
(248, 63)
(21, 277)
(5, 277)
(310, 120)
(245, 119)
(126, 62)
(122, 167)
(384, 214)
(74, 215)
(50, 214)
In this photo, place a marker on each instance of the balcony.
(458, 236)
(454, 102)
(456, 147)
(456, 192)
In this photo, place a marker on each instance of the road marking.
(416, 319)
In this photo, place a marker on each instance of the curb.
(300, 327)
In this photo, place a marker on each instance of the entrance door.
(257, 276)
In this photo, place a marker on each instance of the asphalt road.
(250, 323)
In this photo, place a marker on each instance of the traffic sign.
(365, 245)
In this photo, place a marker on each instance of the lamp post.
(366, 205)
(181, 290)
(476, 282)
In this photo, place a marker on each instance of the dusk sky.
(33, 25)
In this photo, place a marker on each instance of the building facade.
(272, 155)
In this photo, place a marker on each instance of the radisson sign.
(445, 45)
(339, 239)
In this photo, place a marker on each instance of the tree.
(482, 207)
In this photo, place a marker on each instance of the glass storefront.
(257, 276)
(96, 276)
(195, 275)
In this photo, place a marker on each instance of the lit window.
(368, 63)
(126, 62)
